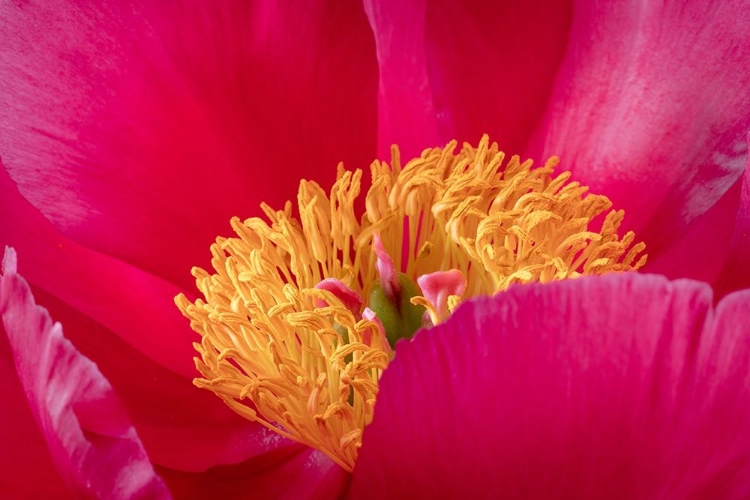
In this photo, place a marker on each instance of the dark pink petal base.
(623, 386)
(92, 442)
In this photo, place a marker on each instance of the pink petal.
(623, 386)
(181, 427)
(24, 447)
(651, 108)
(93, 444)
(736, 272)
(305, 475)
(140, 128)
(460, 69)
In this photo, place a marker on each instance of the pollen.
(298, 314)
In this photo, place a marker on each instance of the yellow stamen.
(311, 373)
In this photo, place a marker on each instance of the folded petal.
(622, 386)
(457, 70)
(91, 440)
(736, 272)
(140, 128)
(651, 107)
(304, 475)
(24, 447)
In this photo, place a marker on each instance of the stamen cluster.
(294, 356)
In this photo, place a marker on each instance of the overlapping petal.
(91, 440)
(651, 108)
(624, 386)
(140, 128)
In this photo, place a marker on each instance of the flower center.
(299, 315)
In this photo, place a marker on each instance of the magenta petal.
(736, 272)
(622, 386)
(651, 108)
(140, 128)
(92, 442)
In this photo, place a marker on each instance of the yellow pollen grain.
(292, 357)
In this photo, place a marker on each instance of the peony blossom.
(131, 134)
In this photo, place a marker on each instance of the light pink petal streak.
(140, 128)
(622, 386)
(651, 108)
(92, 442)
(382, 338)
